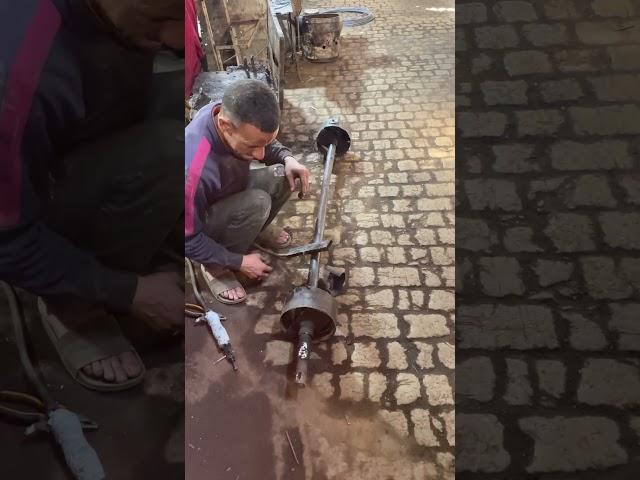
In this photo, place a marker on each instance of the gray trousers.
(236, 221)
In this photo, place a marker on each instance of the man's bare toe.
(109, 375)
(120, 375)
(96, 368)
(88, 370)
(240, 293)
(130, 364)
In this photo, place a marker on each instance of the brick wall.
(547, 239)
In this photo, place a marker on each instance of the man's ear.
(225, 124)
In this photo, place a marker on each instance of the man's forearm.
(40, 261)
(207, 251)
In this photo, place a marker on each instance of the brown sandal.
(268, 238)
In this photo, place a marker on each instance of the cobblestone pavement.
(390, 366)
(547, 241)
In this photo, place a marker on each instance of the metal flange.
(332, 132)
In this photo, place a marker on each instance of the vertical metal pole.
(314, 268)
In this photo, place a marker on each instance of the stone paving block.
(399, 276)
(338, 353)
(584, 334)
(424, 359)
(564, 90)
(446, 354)
(496, 37)
(361, 277)
(439, 391)
(370, 254)
(426, 325)
(605, 33)
(519, 390)
(505, 92)
(376, 325)
(520, 327)
(396, 421)
(527, 62)
(621, 230)
(377, 386)
(578, 60)
(603, 278)
(473, 234)
(551, 377)
(571, 232)
(489, 124)
(500, 276)
(470, 13)
(600, 155)
(550, 272)
(610, 382)
(539, 122)
(606, 120)
(492, 194)
(545, 34)
(480, 444)
(631, 186)
(321, 382)
(616, 88)
(515, 11)
(408, 388)
(564, 9)
(352, 386)
(514, 158)
(422, 428)
(625, 322)
(267, 325)
(624, 57)
(365, 355)
(441, 300)
(475, 379)
(397, 356)
(278, 353)
(591, 191)
(380, 299)
(520, 239)
(569, 444)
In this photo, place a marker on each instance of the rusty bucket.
(321, 36)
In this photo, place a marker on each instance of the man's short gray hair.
(253, 102)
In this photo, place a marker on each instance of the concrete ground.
(380, 405)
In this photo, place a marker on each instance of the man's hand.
(254, 267)
(294, 169)
(159, 301)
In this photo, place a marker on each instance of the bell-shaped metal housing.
(332, 132)
(313, 304)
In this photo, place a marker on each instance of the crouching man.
(228, 205)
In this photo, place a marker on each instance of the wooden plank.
(234, 36)
(276, 51)
(207, 22)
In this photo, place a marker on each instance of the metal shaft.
(304, 351)
(314, 268)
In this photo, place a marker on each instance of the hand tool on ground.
(45, 414)
(201, 313)
(310, 311)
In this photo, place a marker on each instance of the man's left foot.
(274, 237)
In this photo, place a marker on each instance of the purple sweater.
(212, 173)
